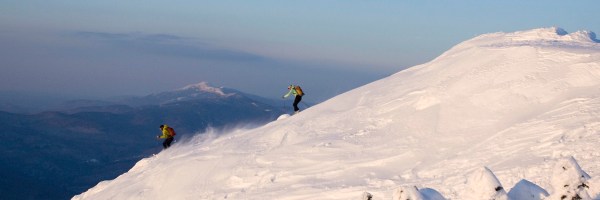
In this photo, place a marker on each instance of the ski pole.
(305, 104)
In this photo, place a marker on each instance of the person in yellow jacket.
(167, 134)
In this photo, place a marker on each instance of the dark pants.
(167, 142)
(296, 101)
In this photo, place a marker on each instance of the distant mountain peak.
(205, 87)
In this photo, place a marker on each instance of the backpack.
(299, 90)
(172, 131)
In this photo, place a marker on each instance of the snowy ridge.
(486, 111)
(554, 34)
(543, 37)
(204, 87)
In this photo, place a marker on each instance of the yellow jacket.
(165, 132)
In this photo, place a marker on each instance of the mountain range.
(57, 154)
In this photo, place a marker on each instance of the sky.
(98, 49)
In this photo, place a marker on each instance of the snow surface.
(494, 110)
(284, 116)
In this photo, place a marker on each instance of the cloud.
(100, 35)
(169, 45)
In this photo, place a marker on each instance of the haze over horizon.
(111, 48)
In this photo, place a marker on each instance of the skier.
(296, 91)
(168, 134)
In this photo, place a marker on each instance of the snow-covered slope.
(515, 104)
